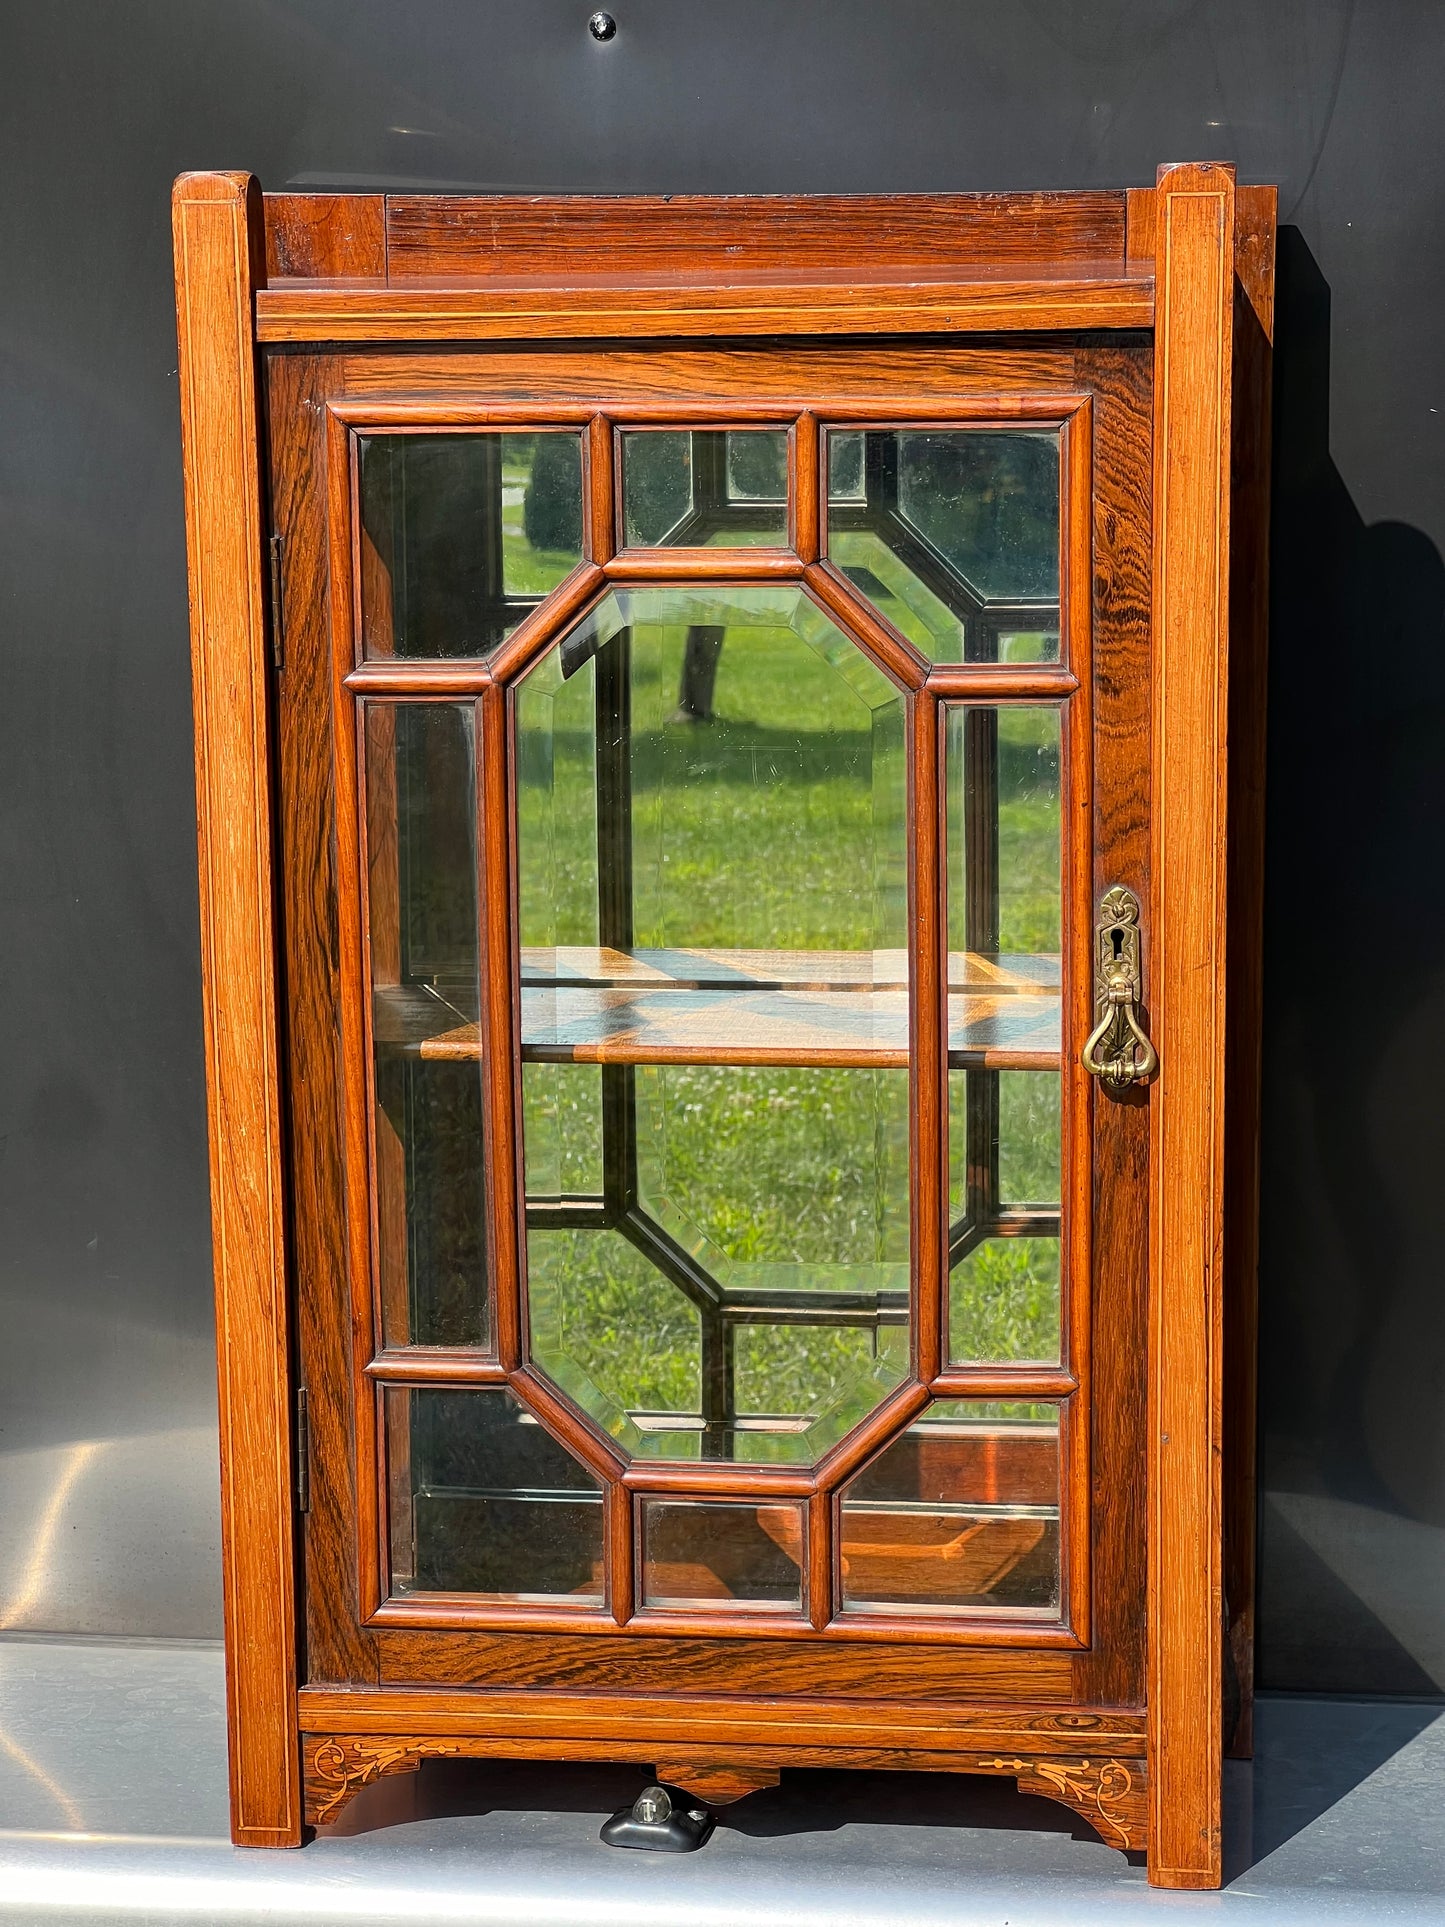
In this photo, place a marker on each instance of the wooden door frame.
(1193, 258)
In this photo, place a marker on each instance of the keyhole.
(1118, 936)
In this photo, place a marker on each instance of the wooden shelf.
(742, 1007)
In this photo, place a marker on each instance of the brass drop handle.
(1118, 1051)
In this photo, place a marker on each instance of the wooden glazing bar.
(219, 261)
(599, 1455)
(742, 1619)
(567, 600)
(819, 1556)
(911, 412)
(599, 481)
(928, 1038)
(715, 566)
(1185, 965)
(979, 1626)
(363, 1231)
(1001, 682)
(464, 1612)
(434, 1365)
(1078, 1165)
(975, 1626)
(895, 653)
(807, 491)
(409, 414)
(979, 786)
(891, 1415)
(621, 1554)
(717, 1479)
(415, 679)
(501, 1073)
(1076, 548)
(1020, 1383)
(422, 412)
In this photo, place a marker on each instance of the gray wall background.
(107, 1476)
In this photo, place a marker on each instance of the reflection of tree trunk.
(699, 673)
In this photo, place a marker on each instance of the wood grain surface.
(545, 234)
(994, 300)
(1159, 1188)
(1193, 380)
(217, 224)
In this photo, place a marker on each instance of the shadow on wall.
(1353, 1237)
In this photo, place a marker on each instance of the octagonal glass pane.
(953, 534)
(712, 877)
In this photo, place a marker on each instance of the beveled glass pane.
(954, 535)
(714, 913)
(1004, 911)
(695, 1552)
(482, 1499)
(705, 488)
(562, 1118)
(421, 816)
(462, 535)
(845, 466)
(959, 1514)
(1003, 1300)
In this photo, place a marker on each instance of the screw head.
(602, 26)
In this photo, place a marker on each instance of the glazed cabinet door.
(714, 790)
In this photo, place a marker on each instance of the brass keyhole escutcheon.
(1118, 1051)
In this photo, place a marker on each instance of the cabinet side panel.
(1248, 641)
(1185, 964)
(217, 221)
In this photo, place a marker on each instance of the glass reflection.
(421, 814)
(742, 1556)
(954, 535)
(705, 488)
(961, 1512)
(1004, 914)
(483, 1499)
(714, 929)
(462, 536)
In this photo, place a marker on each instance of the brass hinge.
(277, 620)
(303, 1452)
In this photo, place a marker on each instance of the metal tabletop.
(113, 1809)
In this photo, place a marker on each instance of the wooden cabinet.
(729, 751)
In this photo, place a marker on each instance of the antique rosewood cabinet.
(729, 743)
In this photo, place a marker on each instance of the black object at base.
(658, 1825)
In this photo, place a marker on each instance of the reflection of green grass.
(1003, 1302)
(778, 824)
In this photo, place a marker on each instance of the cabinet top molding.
(451, 267)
